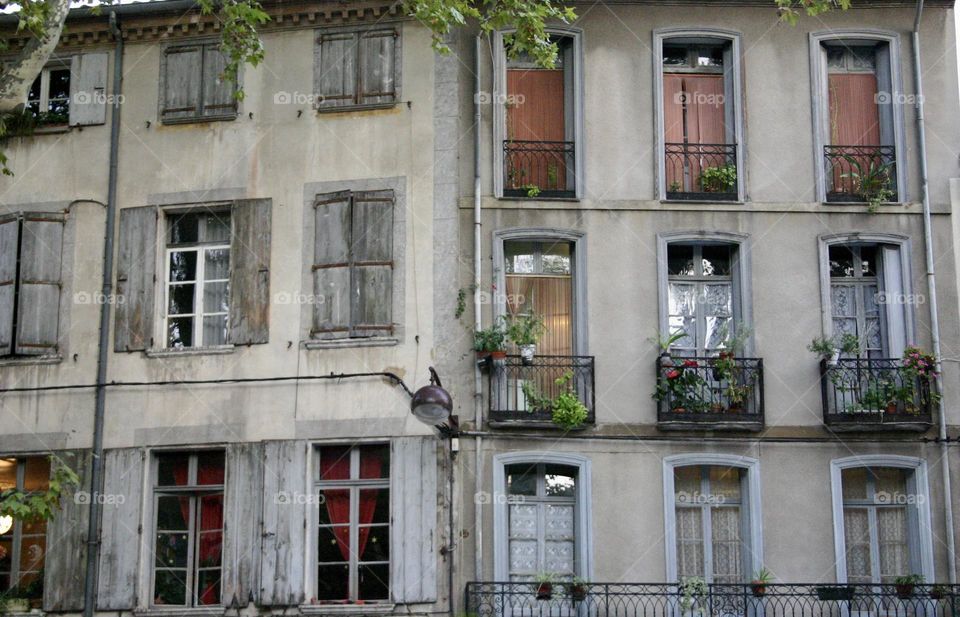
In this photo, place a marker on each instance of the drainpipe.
(932, 290)
(96, 473)
(477, 322)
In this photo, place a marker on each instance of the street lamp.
(432, 405)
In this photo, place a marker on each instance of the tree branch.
(17, 77)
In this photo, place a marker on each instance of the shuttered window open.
(192, 85)
(353, 264)
(357, 68)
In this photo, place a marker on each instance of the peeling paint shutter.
(250, 272)
(377, 66)
(136, 278)
(331, 266)
(335, 68)
(413, 542)
(372, 273)
(9, 240)
(218, 99)
(38, 312)
(88, 89)
(120, 529)
(67, 543)
(284, 523)
(180, 93)
(242, 513)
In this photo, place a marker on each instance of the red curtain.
(211, 521)
(535, 113)
(338, 500)
(693, 113)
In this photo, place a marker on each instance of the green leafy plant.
(566, 409)
(761, 578)
(674, 187)
(532, 189)
(919, 368)
(720, 179)
(526, 329)
(577, 589)
(491, 339)
(40, 506)
(664, 344)
(905, 584)
(847, 344)
(939, 591)
(693, 589)
(683, 387)
(872, 182)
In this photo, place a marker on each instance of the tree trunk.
(17, 77)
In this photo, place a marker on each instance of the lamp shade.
(431, 405)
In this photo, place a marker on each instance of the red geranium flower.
(690, 364)
(673, 374)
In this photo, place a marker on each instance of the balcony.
(701, 172)
(539, 169)
(860, 174)
(520, 393)
(874, 395)
(717, 393)
(720, 600)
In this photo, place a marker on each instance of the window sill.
(339, 609)
(341, 343)
(700, 202)
(204, 120)
(190, 351)
(345, 108)
(30, 360)
(181, 611)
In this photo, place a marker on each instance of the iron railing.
(860, 173)
(705, 172)
(520, 599)
(539, 168)
(868, 394)
(520, 392)
(715, 392)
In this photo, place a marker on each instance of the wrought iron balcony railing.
(567, 599)
(521, 393)
(874, 394)
(539, 168)
(702, 172)
(860, 173)
(716, 393)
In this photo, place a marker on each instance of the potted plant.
(872, 182)
(664, 345)
(839, 593)
(577, 589)
(682, 387)
(544, 585)
(919, 369)
(15, 600)
(524, 332)
(569, 412)
(720, 179)
(938, 592)
(761, 579)
(693, 589)
(490, 343)
(905, 585)
(830, 349)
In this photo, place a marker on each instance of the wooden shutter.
(284, 523)
(41, 244)
(9, 241)
(250, 272)
(67, 542)
(218, 93)
(378, 49)
(242, 528)
(136, 278)
(335, 67)
(372, 257)
(120, 530)
(331, 266)
(180, 84)
(88, 89)
(413, 538)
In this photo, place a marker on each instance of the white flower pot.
(527, 352)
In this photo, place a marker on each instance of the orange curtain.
(694, 114)
(854, 117)
(535, 113)
(551, 297)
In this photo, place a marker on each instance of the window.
(538, 122)
(539, 277)
(856, 83)
(192, 84)
(878, 524)
(23, 544)
(353, 537)
(700, 122)
(353, 264)
(188, 528)
(198, 278)
(49, 96)
(357, 68)
(542, 502)
(701, 293)
(30, 283)
(710, 523)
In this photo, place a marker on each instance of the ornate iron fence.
(865, 393)
(520, 392)
(714, 392)
(539, 168)
(860, 173)
(705, 172)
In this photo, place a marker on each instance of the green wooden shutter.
(335, 69)
(180, 84)
(250, 272)
(9, 241)
(372, 257)
(218, 93)
(378, 51)
(38, 307)
(331, 266)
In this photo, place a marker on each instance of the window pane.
(519, 257)
(335, 508)
(180, 332)
(674, 55)
(216, 226)
(375, 543)
(333, 544)
(689, 542)
(890, 480)
(841, 261)
(680, 260)
(892, 533)
(374, 506)
(210, 467)
(215, 330)
(374, 462)
(216, 264)
(868, 260)
(374, 582)
(215, 297)
(727, 559)
(181, 299)
(183, 266)
(835, 57)
(725, 483)
(556, 258)
(59, 84)
(686, 483)
(173, 513)
(208, 584)
(716, 260)
(8, 473)
(170, 587)
(335, 463)
(560, 481)
(172, 469)
(854, 483)
(522, 480)
(32, 551)
(856, 531)
(864, 58)
(333, 582)
(172, 550)
(184, 228)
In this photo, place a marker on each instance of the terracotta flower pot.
(904, 590)
(758, 588)
(578, 593)
(544, 591)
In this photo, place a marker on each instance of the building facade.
(682, 203)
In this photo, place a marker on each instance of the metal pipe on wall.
(477, 321)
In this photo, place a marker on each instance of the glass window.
(855, 286)
(188, 528)
(700, 288)
(49, 96)
(353, 537)
(876, 524)
(539, 280)
(23, 544)
(198, 278)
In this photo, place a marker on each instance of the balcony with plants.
(860, 174)
(701, 172)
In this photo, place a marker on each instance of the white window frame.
(200, 248)
(751, 508)
(730, 37)
(820, 102)
(500, 106)
(917, 484)
(57, 64)
(583, 523)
